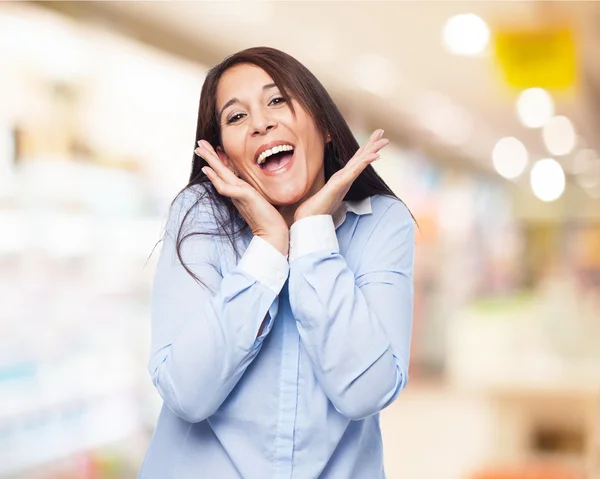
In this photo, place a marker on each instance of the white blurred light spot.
(509, 157)
(559, 135)
(466, 34)
(583, 161)
(547, 179)
(587, 182)
(586, 167)
(535, 107)
(375, 74)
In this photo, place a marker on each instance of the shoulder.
(384, 236)
(393, 233)
(389, 222)
(388, 209)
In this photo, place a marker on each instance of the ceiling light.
(465, 34)
(559, 135)
(535, 107)
(547, 179)
(583, 160)
(587, 166)
(509, 157)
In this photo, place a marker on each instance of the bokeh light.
(559, 135)
(547, 179)
(535, 107)
(466, 34)
(509, 157)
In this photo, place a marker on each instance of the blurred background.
(493, 109)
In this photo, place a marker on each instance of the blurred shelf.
(49, 437)
(46, 388)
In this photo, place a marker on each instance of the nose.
(262, 123)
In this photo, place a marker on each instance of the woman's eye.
(238, 116)
(235, 118)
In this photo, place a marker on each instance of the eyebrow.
(235, 100)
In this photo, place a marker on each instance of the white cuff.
(265, 263)
(311, 234)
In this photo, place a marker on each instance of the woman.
(282, 302)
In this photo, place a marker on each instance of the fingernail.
(381, 135)
(199, 144)
(197, 151)
(204, 170)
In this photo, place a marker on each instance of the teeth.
(265, 154)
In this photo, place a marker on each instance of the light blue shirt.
(301, 400)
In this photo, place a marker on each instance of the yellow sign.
(537, 58)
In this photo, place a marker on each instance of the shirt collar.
(359, 207)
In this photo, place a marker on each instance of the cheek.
(316, 155)
(314, 146)
(234, 148)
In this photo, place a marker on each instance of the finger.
(221, 186)
(378, 146)
(361, 156)
(358, 167)
(217, 166)
(206, 151)
(343, 179)
(370, 158)
(371, 140)
(375, 136)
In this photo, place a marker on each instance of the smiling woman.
(282, 301)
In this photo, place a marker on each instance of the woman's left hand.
(327, 200)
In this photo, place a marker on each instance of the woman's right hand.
(261, 216)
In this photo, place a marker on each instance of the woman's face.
(254, 118)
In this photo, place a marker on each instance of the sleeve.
(356, 329)
(204, 336)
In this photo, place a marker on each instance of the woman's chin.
(286, 198)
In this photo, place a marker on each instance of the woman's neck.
(288, 211)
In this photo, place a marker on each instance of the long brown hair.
(294, 80)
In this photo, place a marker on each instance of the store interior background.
(494, 118)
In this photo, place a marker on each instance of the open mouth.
(275, 160)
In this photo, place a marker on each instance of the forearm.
(203, 343)
(197, 371)
(351, 355)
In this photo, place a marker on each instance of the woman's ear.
(225, 160)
